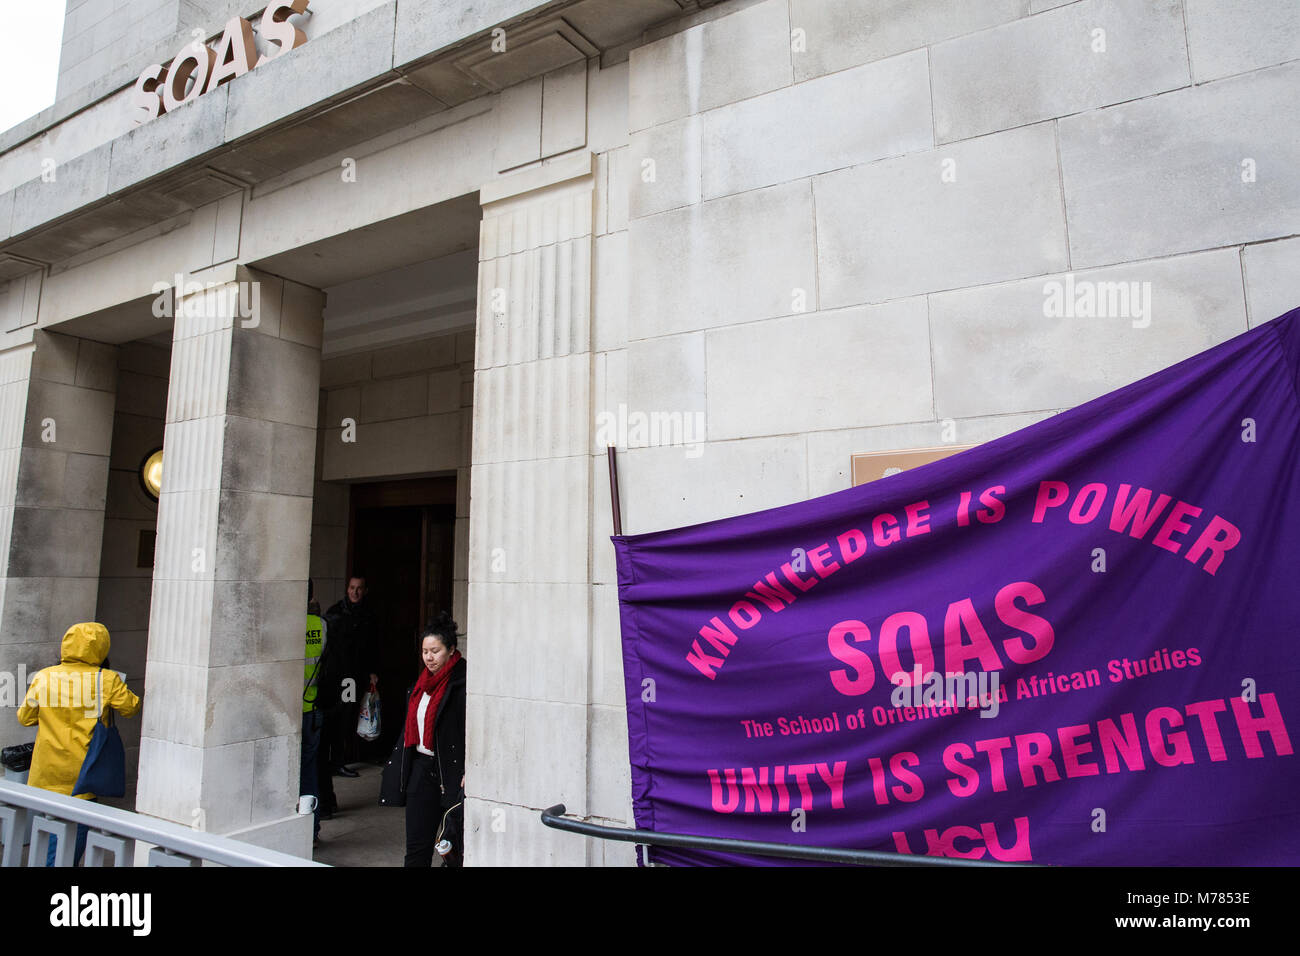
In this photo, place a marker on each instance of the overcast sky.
(29, 57)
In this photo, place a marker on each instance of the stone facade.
(819, 227)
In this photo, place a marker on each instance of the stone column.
(530, 516)
(56, 427)
(220, 743)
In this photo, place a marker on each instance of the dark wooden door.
(403, 542)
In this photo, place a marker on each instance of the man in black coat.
(350, 665)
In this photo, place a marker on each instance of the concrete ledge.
(357, 53)
(548, 174)
(290, 834)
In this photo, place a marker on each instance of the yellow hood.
(86, 643)
(65, 727)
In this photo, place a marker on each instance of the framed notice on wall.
(882, 464)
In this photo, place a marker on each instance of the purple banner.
(1074, 645)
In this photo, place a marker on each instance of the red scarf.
(436, 686)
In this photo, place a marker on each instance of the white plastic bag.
(368, 720)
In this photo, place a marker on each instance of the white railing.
(113, 833)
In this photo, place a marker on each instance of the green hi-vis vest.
(315, 648)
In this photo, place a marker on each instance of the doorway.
(401, 539)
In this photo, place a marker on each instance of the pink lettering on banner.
(993, 750)
(782, 791)
(949, 842)
(1072, 749)
(880, 535)
(961, 616)
(1218, 538)
(969, 782)
(977, 842)
(864, 671)
(702, 661)
(1051, 494)
(820, 558)
(1174, 524)
(963, 509)
(801, 772)
(1039, 628)
(853, 545)
(1016, 852)
(744, 615)
(1204, 711)
(1181, 751)
(1034, 752)
(1251, 727)
(909, 788)
(1116, 744)
(918, 519)
(764, 789)
(728, 802)
(834, 780)
(721, 637)
(918, 639)
(756, 791)
(994, 510)
(964, 635)
(1136, 515)
(878, 780)
(1083, 510)
(794, 578)
(771, 592)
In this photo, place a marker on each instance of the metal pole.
(613, 490)
(554, 817)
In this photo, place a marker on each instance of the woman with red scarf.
(426, 773)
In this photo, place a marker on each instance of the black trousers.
(338, 734)
(424, 813)
(329, 756)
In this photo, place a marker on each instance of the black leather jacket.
(449, 748)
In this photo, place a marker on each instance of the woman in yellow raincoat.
(63, 702)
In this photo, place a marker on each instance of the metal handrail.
(163, 833)
(554, 817)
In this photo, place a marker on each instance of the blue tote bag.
(103, 772)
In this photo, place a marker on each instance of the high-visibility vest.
(315, 648)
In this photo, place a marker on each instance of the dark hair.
(443, 628)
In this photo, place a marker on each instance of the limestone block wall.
(19, 299)
(609, 783)
(843, 219)
(529, 594)
(107, 43)
(547, 722)
(824, 228)
(412, 409)
(329, 522)
(221, 730)
(58, 414)
(125, 586)
(18, 648)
